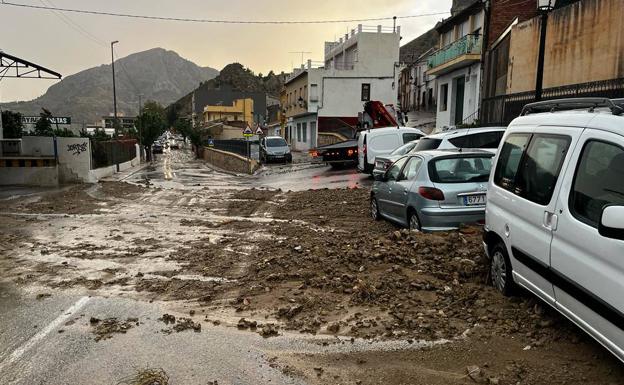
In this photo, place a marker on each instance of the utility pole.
(114, 88)
(115, 124)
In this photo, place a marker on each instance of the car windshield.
(404, 149)
(276, 142)
(460, 169)
(427, 144)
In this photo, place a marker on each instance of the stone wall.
(229, 161)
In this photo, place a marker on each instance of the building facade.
(582, 58)
(241, 110)
(300, 109)
(457, 66)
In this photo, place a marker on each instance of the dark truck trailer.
(345, 153)
(338, 154)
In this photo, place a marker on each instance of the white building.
(359, 67)
(457, 67)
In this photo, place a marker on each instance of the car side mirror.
(612, 222)
(380, 177)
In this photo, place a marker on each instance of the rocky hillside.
(157, 74)
(243, 79)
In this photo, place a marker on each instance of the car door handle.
(550, 221)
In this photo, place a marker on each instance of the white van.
(555, 212)
(382, 141)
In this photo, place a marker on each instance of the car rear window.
(460, 169)
(479, 140)
(428, 144)
(408, 137)
(276, 142)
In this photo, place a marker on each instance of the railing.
(110, 152)
(240, 147)
(469, 44)
(502, 109)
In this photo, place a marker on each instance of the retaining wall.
(229, 161)
(29, 176)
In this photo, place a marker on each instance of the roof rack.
(574, 104)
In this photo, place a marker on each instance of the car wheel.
(414, 222)
(500, 270)
(374, 209)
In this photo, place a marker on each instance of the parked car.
(433, 190)
(382, 141)
(555, 212)
(383, 162)
(487, 138)
(157, 148)
(274, 148)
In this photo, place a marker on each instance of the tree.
(12, 124)
(183, 127)
(151, 123)
(43, 127)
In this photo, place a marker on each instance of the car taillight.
(350, 152)
(313, 153)
(364, 150)
(431, 193)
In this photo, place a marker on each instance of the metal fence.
(501, 110)
(110, 152)
(240, 147)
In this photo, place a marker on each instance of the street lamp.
(543, 7)
(114, 89)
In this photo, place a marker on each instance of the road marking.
(17, 353)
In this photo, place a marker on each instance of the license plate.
(474, 200)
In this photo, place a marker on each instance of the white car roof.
(463, 131)
(388, 129)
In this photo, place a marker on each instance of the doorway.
(460, 85)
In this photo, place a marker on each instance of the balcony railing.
(469, 44)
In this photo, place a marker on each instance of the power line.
(72, 24)
(218, 21)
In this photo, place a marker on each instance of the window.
(509, 160)
(366, 91)
(480, 140)
(304, 132)
(411, 168)
(298, 132)
(540, 168)
(598, 182)
(408, 137)
(313, 92)
(535, 175)
(394, 170)
(443, 97)
(460, 169)
(428, 144)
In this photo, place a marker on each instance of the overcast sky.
(44, 38)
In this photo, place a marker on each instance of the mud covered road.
(216, 278)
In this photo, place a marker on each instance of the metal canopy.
(14, 67)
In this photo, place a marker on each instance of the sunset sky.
(43, 37)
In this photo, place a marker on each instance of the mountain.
(86, 96)
(243, 79)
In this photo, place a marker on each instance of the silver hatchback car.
(433, 190)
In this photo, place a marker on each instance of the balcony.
(459, 53)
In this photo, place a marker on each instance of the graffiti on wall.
(77, 148)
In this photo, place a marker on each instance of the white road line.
(17, 353)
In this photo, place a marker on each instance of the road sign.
(210, 142)
(247, 132)
(259, 131)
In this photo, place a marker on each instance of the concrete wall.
(29, 176)
(37, 146)
(584, 43)
(74, 158)
(229, 161)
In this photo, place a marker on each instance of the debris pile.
(104, 329)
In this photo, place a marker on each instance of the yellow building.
(240, 110)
